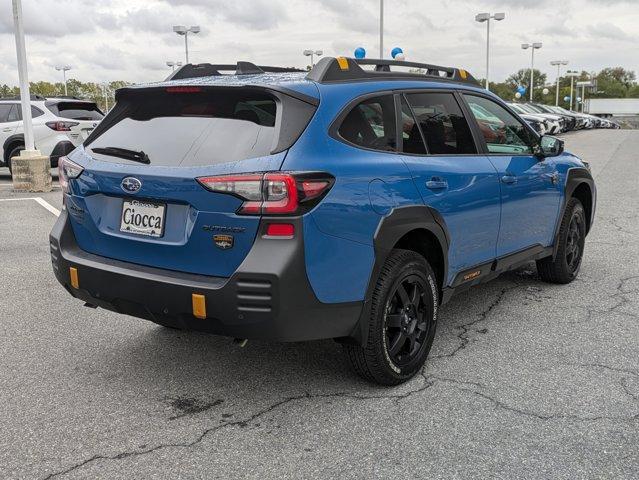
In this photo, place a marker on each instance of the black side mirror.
(550, 147)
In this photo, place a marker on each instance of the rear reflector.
(73, 274)
(199, 306)
(280, 230)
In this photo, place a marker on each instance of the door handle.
(509, 179)
(436, 183)
(7, 129)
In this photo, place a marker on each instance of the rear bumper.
(269, 297)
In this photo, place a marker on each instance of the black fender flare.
(391, 228)
(15, 138)
(576, 176)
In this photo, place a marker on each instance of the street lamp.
(572, 74)
(558, 64)
(65, 69)
(533, 46)
(381, 29)
(485, 17)
(173, 65)
(312, 53)
(182, 30)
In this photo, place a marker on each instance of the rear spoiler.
(210, 70)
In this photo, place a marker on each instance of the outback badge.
(223, 241)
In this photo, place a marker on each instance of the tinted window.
(35, 112)
(14, 115)
(5, 108)
(76, 110)
(371, 124)
(412, 141)
(442, 123)
(502, 131)
(194, 129)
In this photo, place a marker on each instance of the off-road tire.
(565, 266)
(373, 360)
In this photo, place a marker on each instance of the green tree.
(522, 77)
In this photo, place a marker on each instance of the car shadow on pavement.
(199, 369)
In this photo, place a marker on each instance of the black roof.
(343, 69)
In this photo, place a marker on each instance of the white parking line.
(38, 200)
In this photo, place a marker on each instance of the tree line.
(100, 93)
(615, 82)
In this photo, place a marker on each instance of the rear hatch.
(84, 116)
(139, 198)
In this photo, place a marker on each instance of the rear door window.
(442, 123)
(194, 129)
(76, 110)
(371, 124)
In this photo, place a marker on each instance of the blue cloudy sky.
(132, 39)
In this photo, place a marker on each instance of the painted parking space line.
(40, 201)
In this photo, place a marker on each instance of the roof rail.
(17, 97)
(209, 70)
(343, 69)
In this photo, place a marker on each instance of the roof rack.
(241, 68)
(343, 69)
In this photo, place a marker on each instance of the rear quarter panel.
(340, 231)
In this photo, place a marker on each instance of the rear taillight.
(67, 170)
(272, 193)
(61, 126)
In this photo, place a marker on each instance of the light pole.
(182, 30)
(533, 46)
(381, 29)
(30, 170)
(173, 65)
(558, 64)
(65, 69)
(572, 74)
(312, 53)
(485, 17)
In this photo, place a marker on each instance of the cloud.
(608, 31)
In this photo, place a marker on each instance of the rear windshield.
(76, 110)
(193, 129)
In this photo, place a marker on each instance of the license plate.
(142, 218)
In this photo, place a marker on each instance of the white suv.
(59, 125)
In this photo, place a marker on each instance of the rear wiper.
(140, 156)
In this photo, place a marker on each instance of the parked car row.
(553, 120)
(59, 125)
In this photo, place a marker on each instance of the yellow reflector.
(73, 273)
(199, 306)
(463, 74)
(343, 63)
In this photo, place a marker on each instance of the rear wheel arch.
(11, 143)
(417, 228)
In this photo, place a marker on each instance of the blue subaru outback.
(349, 202)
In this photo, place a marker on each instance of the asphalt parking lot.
(525, 379)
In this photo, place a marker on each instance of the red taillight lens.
(271, 193)
(280, 230)
(61, 126)
(67, 170)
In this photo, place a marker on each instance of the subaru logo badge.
(131, 185)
